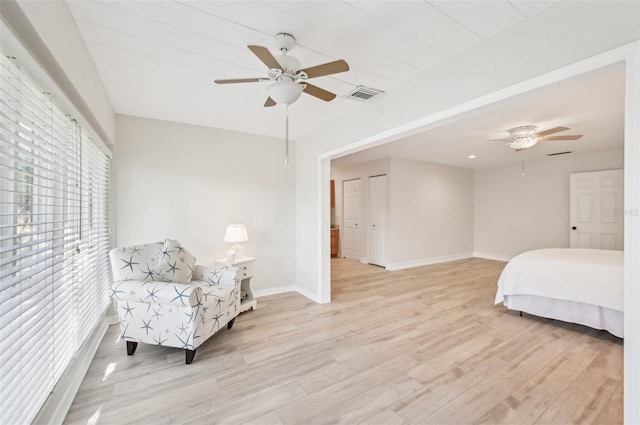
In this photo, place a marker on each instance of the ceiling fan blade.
(550, 131)
(551, 138)
(269, 102)
(241, 80)
(316, 91)
(265, 56)
(329, 68)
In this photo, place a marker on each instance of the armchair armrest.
(216, 275)
(178, 294)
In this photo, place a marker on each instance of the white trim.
(632, 238)
(55, 409)
(324, 283)
(313, 297)
(489, 256)
(274, 291)
(428, 261)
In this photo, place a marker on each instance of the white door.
(377, 219)
(596, 210)
(351, 201)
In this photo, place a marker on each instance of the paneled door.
(596, 210)
(351, 201)
(377, 220)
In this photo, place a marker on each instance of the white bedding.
(587, 276)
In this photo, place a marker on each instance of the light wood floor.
(420, 346)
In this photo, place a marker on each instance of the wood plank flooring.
(418, 346)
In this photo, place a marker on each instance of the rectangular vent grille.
(362, 93)
(559, 153)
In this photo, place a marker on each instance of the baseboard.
(305, 292)
(497, 257)
(274, 291)
(57, 405)
(282, 289)
(428, 261)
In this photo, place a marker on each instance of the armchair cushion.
(217, 275)
(174, 263)
(136, 262)
(177, 294)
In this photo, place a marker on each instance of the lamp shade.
(236, 233)
(285, 91)
(523, 142)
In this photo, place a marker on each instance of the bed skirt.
(569, 311)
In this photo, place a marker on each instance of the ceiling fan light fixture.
(523, 142)
(523, 137)
(285, 91)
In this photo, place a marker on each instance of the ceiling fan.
(289, 80)
(525, 136)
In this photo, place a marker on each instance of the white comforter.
(592, 276)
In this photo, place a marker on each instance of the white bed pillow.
(174, 263)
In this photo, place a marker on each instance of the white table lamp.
(235, 234)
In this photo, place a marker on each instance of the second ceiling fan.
(525, 136)
(289, 80)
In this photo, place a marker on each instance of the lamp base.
(237, 248)
(231, 256)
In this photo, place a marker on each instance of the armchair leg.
(131, 347)
(231, 322)
(189, 355)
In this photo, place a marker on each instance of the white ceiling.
(158, 59)
(591, 104)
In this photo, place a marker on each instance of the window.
(54, 242)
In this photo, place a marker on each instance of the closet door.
(377, 225)
(352, 200)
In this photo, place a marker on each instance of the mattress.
(583, 286)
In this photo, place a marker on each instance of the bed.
(584, 286)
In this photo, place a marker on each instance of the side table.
(245, 268)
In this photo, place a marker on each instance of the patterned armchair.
(163, 298)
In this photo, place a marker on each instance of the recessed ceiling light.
(471, 157)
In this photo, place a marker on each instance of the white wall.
(188, 182)
(431, 213)
(515, 213)
(437, 212)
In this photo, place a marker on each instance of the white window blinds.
(54, 242)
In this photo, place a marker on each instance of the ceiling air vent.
(559, 153)
(362, 93)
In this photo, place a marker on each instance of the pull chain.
(286, 152)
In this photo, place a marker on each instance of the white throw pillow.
(174, 263)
